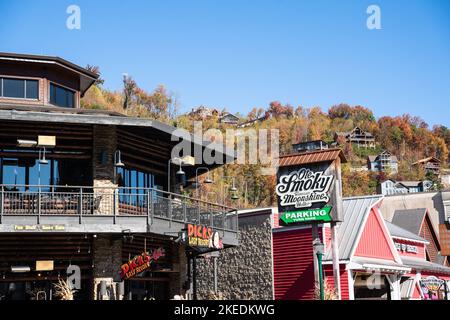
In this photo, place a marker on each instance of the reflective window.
(19, 88)
(13, 88)
(61, 97)
(32, 91)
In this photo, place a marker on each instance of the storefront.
(31, 264)
(378, 260)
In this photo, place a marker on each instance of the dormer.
(32, 80)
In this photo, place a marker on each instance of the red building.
(378, 259)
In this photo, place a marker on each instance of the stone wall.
(107, 259)
(245, 271)
(105, 145)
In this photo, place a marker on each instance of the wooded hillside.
(408, 137)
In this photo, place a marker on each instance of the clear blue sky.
(244, 54)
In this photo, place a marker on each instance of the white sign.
(304, 187)
(406, 247)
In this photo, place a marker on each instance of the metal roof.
(311, 157)
(355, 211)
(409, 219)
(420, 264)
(399, 232)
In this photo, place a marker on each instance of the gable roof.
(410, 219)
(225, 115)
(425, 160)
(355, 210)
(398, 232)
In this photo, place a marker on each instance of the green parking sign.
(310, 215)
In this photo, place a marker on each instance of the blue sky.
(244, 54)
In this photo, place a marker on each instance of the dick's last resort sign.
(303, 196)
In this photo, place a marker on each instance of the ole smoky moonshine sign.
(303, 194)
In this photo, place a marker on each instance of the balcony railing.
(21, 200)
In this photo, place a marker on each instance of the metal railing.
(83, 201)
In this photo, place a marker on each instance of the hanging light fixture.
(234, 196)
(118, 159)
(208, 179)
(180, 172)
(233, 187)
(42, 160)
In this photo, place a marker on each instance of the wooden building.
(358, 136)
(92, 189)
(430, 165)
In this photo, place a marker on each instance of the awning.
(377, 265)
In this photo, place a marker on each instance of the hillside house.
(430, 165)
(390, 187)
(357, 135)
(384, 162)
(228, 118)
(310, 146)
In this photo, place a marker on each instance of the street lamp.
(207, 180)
(319, 250)
(117, 163)
(179, 173)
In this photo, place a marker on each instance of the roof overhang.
(61, 116)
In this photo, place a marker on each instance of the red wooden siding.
(293, 265)
(374, 241)
(328, 269)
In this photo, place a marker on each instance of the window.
(19, 88)
(61, 97)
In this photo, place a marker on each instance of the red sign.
(203, 236)
(140, 263)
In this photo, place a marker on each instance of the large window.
(61, 97)
(19, 88)
(20, 173)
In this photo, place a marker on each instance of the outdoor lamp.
(208, 179)
(319, 248)
(180, 172)
(118, 159)
(42, 160)
(234, 196)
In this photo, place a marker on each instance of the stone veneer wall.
(107, 259)
(244, 272)
(105, 145)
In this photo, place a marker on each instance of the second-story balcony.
(102, 209)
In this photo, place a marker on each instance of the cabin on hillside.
(430, 165)
(384, 162)
(228, 118)
(203, 112)
(390, 187)
(310, 146)
(357, 135)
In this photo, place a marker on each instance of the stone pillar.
(107, 259)
(178, 279)
(105, 145)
